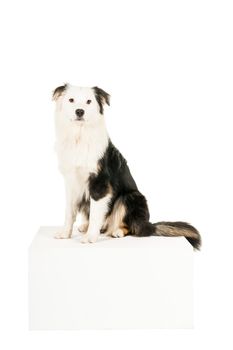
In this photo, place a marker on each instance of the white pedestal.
(116, 283)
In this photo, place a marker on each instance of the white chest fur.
(80, 147)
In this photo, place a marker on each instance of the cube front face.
(110, 286)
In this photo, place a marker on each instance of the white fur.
(98, 210)
(79, 146)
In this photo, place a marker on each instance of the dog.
(98, 182)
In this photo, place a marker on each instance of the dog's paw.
(118, 233)
(88, 239)
(84, 239)
(92, 239)
(62, 235)
(83, 228)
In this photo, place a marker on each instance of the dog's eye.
(71, 100)
(88, 102)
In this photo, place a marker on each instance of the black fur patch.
(115, 167)
(137, 214)
(102, 97)
(99, 185)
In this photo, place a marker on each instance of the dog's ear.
(102, 97)
(59, 91)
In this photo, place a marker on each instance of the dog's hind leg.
(120, 232)
(115, 221)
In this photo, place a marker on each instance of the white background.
(168, 66)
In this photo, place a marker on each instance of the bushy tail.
(169, 229)
(178, 228)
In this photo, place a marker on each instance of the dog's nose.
(79, 112)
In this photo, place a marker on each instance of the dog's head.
(81, 104)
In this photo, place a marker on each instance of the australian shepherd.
(98, 182)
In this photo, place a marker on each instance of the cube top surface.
(45, 239)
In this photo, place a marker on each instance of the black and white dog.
(98, 182)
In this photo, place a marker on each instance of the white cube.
(116, 283)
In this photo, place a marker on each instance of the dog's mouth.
(77, 119)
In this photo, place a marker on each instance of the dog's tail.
(172, 229)
(178, 228)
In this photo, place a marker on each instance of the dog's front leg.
(98, 211)
(84, 223)
(71, 211)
